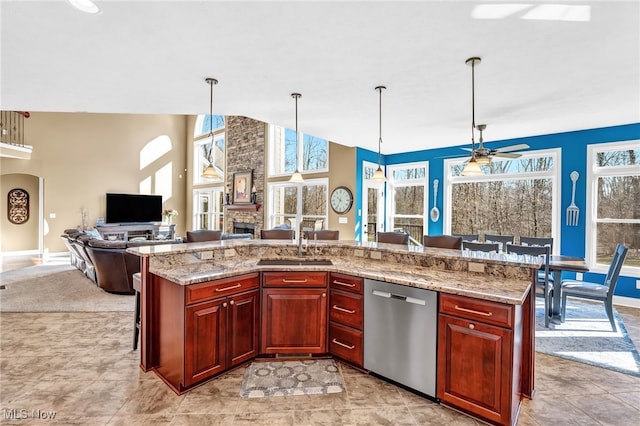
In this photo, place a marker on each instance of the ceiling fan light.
(211, 173)
(472, 169)
(379, 176)
(296, 177)
(483, 161)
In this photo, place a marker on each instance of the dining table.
(557, 264)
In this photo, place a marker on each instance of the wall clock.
(341, 200)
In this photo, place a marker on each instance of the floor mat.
(280, 378)
(586, 336)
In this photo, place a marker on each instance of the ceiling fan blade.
(506, 155)
(518, 147)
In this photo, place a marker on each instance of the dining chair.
(544, 285)
(200, 235)
(486, 247)
(323, 234)
(537, 241)
(442, 241)
(393, 238)
(502, 240)
(595, 291)
(468, 237)
(276, 234)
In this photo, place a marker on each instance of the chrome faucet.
(301, 250)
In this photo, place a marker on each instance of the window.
(613, 195)
(208, 209)
(206, 148)
(289, 203)
(313, 152)
(407, 199)
(514, 197)
(208, 197)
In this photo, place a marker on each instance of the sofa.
(106, 262)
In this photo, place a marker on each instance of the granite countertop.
(480, 286)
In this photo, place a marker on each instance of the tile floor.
(81, 366)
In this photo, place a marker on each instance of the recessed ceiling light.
(86, 6)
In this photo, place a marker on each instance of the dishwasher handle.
(400, 297)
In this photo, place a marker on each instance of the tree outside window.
(614, 194)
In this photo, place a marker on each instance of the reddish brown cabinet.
(479, 354)
(294, 313)
(205, 329)
(346, 317)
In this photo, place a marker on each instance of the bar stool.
(137, 286)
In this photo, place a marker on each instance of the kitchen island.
(209, 307)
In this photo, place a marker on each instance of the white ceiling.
(142, 57)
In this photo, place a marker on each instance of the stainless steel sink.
(294, 262)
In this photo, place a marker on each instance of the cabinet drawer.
(477, 310)
(346, 282)
(294, 279)
(346, 343)
(346, 308)
(218, 288)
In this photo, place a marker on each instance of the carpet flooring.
(282, 378)
(586, 336)
(56, 288)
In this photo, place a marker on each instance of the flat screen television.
(133, 208)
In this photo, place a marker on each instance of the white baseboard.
(631, 302)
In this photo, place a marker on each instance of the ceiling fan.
(483, 155)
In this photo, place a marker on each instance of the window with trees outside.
(290, 203)
(312, 155)
(407, 199)
(208, 150)
(208, 195)
(516, 197)
(208, 209)
(613, 196)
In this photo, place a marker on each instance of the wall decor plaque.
(18, 206)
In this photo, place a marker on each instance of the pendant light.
(296, 177)
(379, 176)
(472, 168)
(211, 172)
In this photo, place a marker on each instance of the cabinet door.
(294, 321)
(205, 340)
(474, 367)
(243, 320)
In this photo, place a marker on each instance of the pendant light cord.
(211, 82)
(379, 89)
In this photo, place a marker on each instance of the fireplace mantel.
(245, 207)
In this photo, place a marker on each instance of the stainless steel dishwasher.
(400, 334)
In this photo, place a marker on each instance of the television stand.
(129, 231)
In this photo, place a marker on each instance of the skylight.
(544, 12)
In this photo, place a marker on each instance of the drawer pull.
(471, 311)
(284, 280)
(343, 344)
(229, 288)
(338, 308)
(344, 284)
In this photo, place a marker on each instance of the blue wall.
(574, 157)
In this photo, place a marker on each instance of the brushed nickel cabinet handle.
(344, 345)
(471, 311)
(229, 288)
(231, 302)
(224, 305)
(338, 308)
(284, 280)
(344, 284)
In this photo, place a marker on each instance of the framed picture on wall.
(242, 184)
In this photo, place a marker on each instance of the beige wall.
(342, 160)
(23, 237)
(83, 156)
